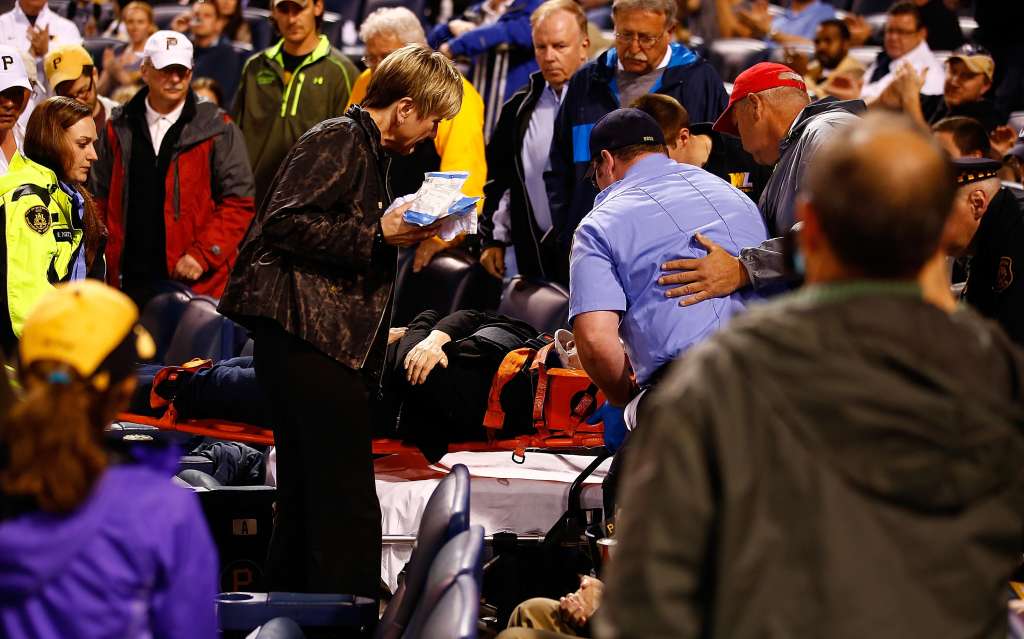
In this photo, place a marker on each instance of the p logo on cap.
(170, 43)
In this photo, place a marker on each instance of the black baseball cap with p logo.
(622, 128)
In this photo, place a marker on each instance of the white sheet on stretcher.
(504, 497)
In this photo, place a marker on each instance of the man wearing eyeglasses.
(905, 44)
(71, 73)
(644, 60)
(286, 89)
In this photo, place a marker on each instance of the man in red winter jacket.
(172, 182)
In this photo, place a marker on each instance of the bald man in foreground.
(842, 462)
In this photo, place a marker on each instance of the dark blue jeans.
(227, 391)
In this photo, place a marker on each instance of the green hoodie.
(273, 114)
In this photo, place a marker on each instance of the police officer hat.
(969, 170)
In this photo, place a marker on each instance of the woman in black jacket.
(314, 281)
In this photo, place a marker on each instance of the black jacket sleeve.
(501, 169)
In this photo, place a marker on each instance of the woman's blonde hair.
(426, 77)
(145, 8)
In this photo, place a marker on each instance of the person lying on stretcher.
(434, 390)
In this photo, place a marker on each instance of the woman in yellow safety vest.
(51, 233)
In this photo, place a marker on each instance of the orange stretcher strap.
(514, 361)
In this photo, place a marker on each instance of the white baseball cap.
(12, 69)
(165, 48)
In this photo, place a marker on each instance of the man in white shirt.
(14, 94)
(905, 43)
(31, 26)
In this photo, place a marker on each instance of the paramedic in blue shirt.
(649, 207)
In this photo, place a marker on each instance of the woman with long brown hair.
(92, 543)
(51, 232)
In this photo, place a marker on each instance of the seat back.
(161, 316)
(445, 516)
(240, 519)
(441, 286)
(543, 305)
(164, 14)
(462, 556)
(203, 332)
(455, 616)
(96, 47)
(259, 25)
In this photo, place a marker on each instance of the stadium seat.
(161, 316)
(452, 281)
(164, 14)
(543, 305)
(259, 25)
(865, 55)
(280, 628)
(462, 555)
(455, 616)
(445, 516)
(199, 479)
(418, 7)
(96, 47)
(729, 56)
(203, 332)
(968, 26)
(241, 519)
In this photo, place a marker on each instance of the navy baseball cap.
(622, 128)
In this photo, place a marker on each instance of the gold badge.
(1004, 276)
(38, 219)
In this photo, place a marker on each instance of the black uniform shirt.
(995, 279)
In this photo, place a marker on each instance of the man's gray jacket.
(843, 462)
(811, 129)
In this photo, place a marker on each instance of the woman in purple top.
(90, 547)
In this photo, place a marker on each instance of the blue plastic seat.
(96, 47)
(161, 316)
(280, 628)
(203, 332)
(462, 556)
(445, 516)
(455, 616)
(543, 305)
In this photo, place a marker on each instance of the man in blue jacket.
(644, 60)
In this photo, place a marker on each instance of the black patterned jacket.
(314, 261)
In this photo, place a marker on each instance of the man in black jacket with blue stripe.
(644, 60)
(518, 152)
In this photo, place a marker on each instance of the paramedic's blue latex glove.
(614, 425)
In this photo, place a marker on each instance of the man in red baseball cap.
(770, 111)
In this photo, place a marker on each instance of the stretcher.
(579, 442)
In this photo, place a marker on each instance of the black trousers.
(327, 533)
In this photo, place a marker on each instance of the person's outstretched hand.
(716, 275)
(398, 232)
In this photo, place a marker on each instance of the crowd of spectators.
(868, 153)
